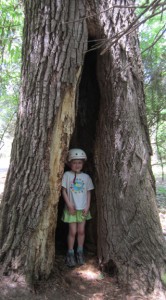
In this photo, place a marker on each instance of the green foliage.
(11, 23)
(161, 138)
(161, 190)
(163, 278)
(155, 78)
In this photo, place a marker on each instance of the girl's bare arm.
(67, 201)
(86, 209)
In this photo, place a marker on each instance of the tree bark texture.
(53, 52)
(129, 231)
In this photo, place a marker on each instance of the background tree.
(11, 19)
(96, 102)
(155, 91)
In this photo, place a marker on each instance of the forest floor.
(82, 282)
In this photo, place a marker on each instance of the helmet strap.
(74, 177)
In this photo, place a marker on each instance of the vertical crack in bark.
(49, 83)
(45, 233)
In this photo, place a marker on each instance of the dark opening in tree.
(84, 135)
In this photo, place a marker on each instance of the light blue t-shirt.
(77, 191)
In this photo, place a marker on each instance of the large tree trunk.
(114, 134)
(53, 53)
(129, 230)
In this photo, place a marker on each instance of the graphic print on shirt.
(78, 186)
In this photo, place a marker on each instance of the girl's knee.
(72, 230)
(81, 230)
(81, 233)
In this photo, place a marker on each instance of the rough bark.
(129, 231)
(53, 52)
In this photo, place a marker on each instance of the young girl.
(76, 187)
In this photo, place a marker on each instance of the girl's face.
(76, 165)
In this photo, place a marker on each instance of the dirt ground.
(85, 282)
(81, 283)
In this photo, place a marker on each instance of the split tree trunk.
(129, 231)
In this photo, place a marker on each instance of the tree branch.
(155, 39)
(147, 7)
(130, 29)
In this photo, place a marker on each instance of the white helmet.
(76, 154)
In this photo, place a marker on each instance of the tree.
(11, 19)
(74, 96)
(154, 74)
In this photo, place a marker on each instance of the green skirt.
(77, 218)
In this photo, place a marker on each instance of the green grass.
(161, 190)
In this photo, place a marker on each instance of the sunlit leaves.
(11, 23)
(152, 37)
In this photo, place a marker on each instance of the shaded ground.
(85, 282)
(81, 283)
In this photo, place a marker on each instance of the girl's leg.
(80, 239)
(70, 259)
(71, 235)
(81, 234)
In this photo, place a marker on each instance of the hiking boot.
(70, 260)
(80, 258)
